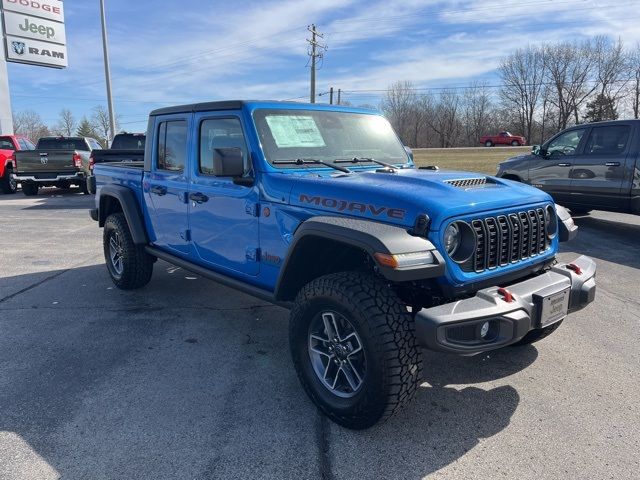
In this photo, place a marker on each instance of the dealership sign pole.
(34, 34)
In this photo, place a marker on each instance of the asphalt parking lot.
(189, 379)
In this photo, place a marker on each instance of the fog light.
(484, 329)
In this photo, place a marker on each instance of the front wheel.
(128, 264)
(537, 334)
(8, 184)
(354, 348)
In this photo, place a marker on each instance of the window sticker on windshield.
(295, 131)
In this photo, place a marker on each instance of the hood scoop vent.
(471, 182)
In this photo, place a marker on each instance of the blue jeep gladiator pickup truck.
(320, 208)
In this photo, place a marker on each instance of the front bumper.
(455, 327)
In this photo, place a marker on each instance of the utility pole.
(107, 72)
(339, 92)
(317, 51)
(331, 96)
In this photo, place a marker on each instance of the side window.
(172, 146)
(610, 140)
(6, 144)
(27, 144)
(565, 144)
(95, 145)
(220, 133)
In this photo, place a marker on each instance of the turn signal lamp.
(402, 260)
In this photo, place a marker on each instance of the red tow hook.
(575, 268)
(506, 294)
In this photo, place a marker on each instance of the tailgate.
(58, 161)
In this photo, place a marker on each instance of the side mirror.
(535, 149)
(409, 152)
(228, 162)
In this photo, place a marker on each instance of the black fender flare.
(130, 208)
(371, 237)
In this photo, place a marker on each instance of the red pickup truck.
(503, 138)
(9, 144)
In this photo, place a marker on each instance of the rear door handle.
(564, 164)
(612, 164)
(198, 197)
(159, 190)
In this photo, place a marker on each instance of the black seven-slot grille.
(507, 239)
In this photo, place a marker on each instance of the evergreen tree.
(85, 129)
(601, 108)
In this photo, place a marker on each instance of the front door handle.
(612, 164)
(564, 164)
(198, 197)
(159, 190)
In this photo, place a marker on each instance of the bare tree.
(478, 112)
(66, 124)
(522, 75)
(30, 124)
(611, 67)
(569, 68)
(634, 63)
(101, 124)
(446, 119)
(398, 105)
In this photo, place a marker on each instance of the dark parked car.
(587, 167)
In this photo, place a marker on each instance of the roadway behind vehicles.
(56, 161)
(9, 144)
(587, 167)
(126, 147)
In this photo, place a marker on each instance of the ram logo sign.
(18, 47)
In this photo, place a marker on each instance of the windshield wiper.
(303, 161)
(365, 160)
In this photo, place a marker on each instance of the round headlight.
(452, 239)
(550, 221)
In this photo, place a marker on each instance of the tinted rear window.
(62, 144)
(128, 142)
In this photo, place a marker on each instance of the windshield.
(327, 136)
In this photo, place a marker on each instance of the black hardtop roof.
(220, 105)
(229, 105)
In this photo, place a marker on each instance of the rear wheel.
(354, 348)
(8, 184)
(488, 143)
(30, 189)
(538, 334)
(129, 265)
(515, 143)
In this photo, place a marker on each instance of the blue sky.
(165, 53)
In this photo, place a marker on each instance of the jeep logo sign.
(34, 32)
(37, 28)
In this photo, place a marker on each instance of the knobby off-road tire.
(538, 334)
(369, 315)
(30, 189)
(7, 184)
(128, 264)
